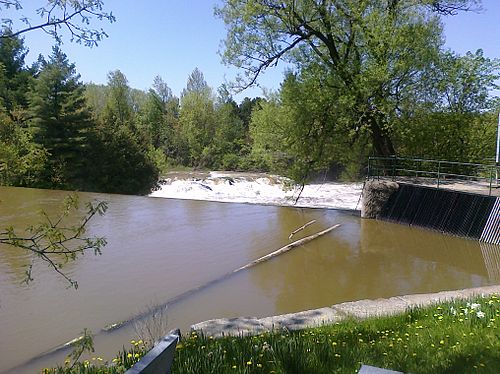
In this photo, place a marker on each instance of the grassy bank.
(453, 337)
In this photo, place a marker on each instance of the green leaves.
(56, 241)
(56, 18)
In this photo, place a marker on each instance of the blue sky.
(171, 38)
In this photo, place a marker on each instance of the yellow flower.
(234, 366)
(249, 362)
(129, 355)
(259, 365)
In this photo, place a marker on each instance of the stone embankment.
(316, 317)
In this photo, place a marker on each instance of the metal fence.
(437, 172)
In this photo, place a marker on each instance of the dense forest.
(371, 80)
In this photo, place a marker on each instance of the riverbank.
(257, 188)
(361, 309)
(452, 331)
(456, 336)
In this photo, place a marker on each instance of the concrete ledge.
(316, 317)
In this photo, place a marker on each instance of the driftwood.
(286, 248)
(301, 228)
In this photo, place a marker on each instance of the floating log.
(286, 248)
(301, 228)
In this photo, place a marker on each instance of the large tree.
(60, 119)
(366, 56)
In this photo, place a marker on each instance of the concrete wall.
(463, 214)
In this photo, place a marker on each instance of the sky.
(172, 37)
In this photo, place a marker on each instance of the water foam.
(257, 188)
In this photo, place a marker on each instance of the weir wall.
(458, 213)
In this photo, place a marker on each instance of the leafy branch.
(55, 243)
(75, 16)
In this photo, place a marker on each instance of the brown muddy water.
(160, 248)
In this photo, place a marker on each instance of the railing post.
(439, 173)
(394, 159)
(491, 178)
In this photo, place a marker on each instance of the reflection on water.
(158, 249)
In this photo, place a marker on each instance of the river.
(160, 248)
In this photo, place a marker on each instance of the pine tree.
(60, 119)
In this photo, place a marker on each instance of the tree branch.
(56, 244)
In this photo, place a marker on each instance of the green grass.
(96, 365)
(453, 337)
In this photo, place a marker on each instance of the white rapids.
(258, 188)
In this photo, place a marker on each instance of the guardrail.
(159, 359)
(437, 171)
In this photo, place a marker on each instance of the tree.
(196, 83)
(56, 18)
(451, 118)
(118, 109)
(119, 163)
(22, 161)
(61, 120)
(14, 76)
(366, 55)
(197, 118)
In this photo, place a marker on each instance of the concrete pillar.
(375, 195)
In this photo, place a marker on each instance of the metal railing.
(438, 172)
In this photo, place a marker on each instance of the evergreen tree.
(60, 119)
(14, 76)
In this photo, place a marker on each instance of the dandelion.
(249, 363)
(234, 366)
(129, 355)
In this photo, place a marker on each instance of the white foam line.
(258, 189)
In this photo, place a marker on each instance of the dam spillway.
(464, 214)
